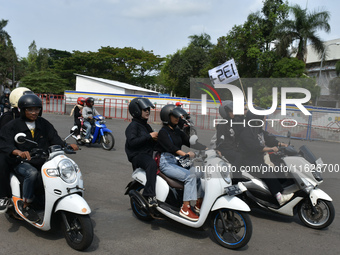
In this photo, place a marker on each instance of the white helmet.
(16, 94)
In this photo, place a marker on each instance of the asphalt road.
(118, 231)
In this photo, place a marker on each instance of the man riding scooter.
(88, 112)
(43, 134)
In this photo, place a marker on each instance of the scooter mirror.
(20, 138)
(193, 139)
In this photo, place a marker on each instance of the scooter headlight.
(224, 169)
(68, 170)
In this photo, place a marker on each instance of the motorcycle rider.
(227, 137)
(255, 143)
(4, 100)
(5, 165)
(170, 141)
(140, 143)
(88, 112)
(37, 129)
(77, 113)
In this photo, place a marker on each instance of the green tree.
(191, 61)
(8, 57)
(44, 82)
(302, 29)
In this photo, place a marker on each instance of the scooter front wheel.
(321, 216)
(78, 230)
(231, 229)
(107, 141)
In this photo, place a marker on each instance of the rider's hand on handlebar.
(74, 147)
(154, 135)
(191, 154)
(22, 154)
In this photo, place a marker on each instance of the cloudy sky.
(162, 26)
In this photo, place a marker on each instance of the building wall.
(84, 84)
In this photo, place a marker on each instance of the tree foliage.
(8, 57)
(44, 82)
(301, 29)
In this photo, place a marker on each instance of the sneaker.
(152, 201)
(28, 212)
(78, 137)
(188, 214)
(197, 207)
(283, 198)
(87, 141)
(4, 202)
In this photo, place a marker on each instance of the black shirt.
(171, 140)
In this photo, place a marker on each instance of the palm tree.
(302, 29)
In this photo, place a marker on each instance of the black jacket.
(138, 139)
(171, 140)
(8, 116)
(45, 135)
(251, 145)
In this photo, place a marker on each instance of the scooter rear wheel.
(78, 230)
(321, 218)
(138, 207)
(231, 229)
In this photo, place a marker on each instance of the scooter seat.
(172, 182)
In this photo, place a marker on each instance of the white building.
(313, 64)
(100, 88)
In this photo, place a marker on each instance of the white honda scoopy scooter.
(228, 215)
(63, 196)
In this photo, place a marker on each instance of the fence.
(53, 103)
(322, 124)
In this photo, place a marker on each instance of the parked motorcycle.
(99, 134)
(302, 177)
(227, 214)
(61, 200)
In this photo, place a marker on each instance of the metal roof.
(118, 84)
(332, 52)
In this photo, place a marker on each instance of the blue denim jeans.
(192, 183)
(30, 174)
(88, 129)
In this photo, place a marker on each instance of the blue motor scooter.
(99, 134)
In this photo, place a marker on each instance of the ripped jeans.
(192, 183)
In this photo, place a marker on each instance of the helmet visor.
(179, 112)
(145, 103)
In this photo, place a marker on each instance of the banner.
(224, 73)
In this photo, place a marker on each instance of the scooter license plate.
(232, 190)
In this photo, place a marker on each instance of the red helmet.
(81, 100)
(179, 104)
(89, 101)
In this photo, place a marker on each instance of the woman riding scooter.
(170, 141)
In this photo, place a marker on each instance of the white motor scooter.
(301, 172)
(63, 196)
(228, 215)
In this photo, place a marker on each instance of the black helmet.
(29, 100)
(171, 109)
(7, 92)
(225, 108)
(89, 101)
(137, 105)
